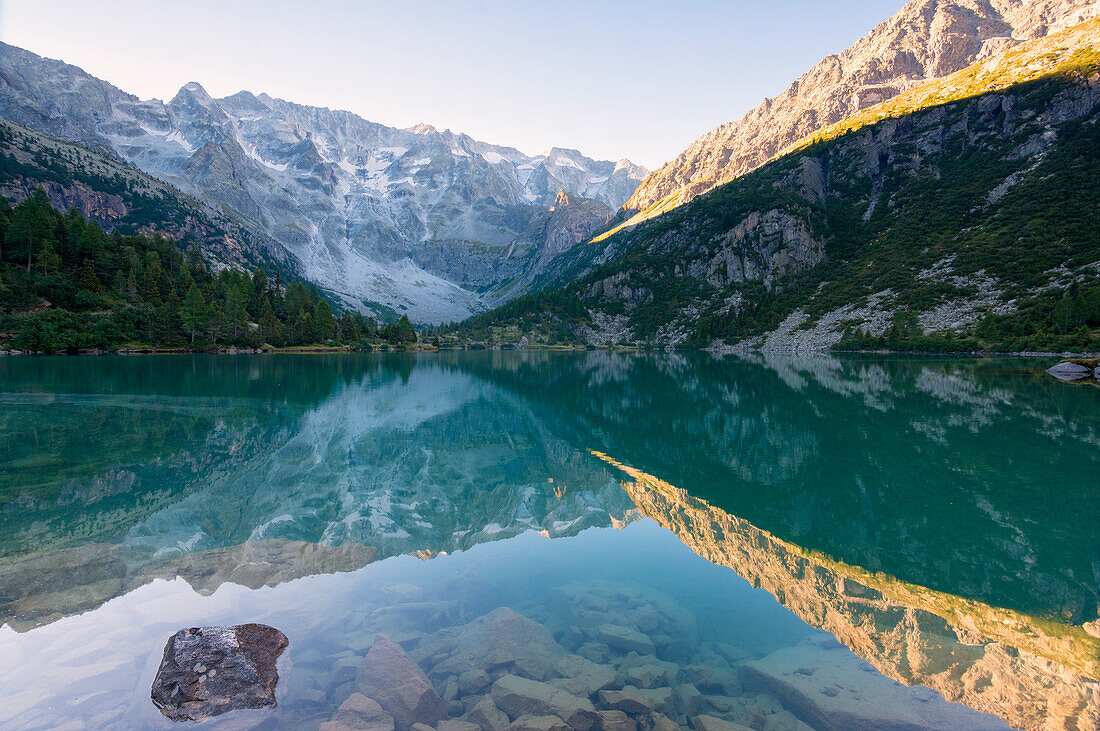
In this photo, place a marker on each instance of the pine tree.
(193, 311)
(270, 329)
(405, 331)
(235, 314)
(323, 323)
(303, 329)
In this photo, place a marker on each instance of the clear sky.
(612, 79)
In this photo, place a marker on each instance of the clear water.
(856, 542)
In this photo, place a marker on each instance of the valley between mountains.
(931, 187)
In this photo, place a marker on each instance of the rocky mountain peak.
(193, 91)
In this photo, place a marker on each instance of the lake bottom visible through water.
(521, 629)
(542, 541)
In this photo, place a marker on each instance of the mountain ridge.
(433, 224)
(926, 39)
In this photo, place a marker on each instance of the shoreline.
(718, 353)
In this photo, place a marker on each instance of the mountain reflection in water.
(937, 515)
(1030, 672)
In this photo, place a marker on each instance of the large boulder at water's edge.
(207, 671)
(1068, 370)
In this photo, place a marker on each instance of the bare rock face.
(764, 246)
(207, 671)
(388, 676)
(926, 39)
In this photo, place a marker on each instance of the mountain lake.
(762, 541)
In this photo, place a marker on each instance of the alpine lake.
(762, 541)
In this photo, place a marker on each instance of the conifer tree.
(193, 312)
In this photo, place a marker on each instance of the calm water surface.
(802, 542)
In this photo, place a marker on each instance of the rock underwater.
(207, 671)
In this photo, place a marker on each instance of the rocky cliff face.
(926, 39)
(414, 220)
(1031, 674)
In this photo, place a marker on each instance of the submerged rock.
(616, 721)
(207, 671)
(390, 677)
(710, 723)
(486, 715)
(828, 690)
(539, 723)
(519, 697)
(457, 726)
(361, 714)
(624, 638)
(625, 701)
(502, 639)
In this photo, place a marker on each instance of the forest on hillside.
(66, 285)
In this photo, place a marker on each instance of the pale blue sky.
(612, 79)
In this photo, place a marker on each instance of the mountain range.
(413, 221)
(933, 179)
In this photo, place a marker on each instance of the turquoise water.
(846, 541)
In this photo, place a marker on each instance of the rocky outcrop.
(1033, 674)
(762, 247)
(925, 40)
(569, 221)
(207, 671)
